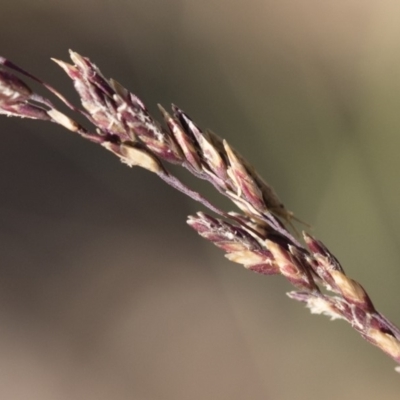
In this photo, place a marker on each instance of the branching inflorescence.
(257, 237)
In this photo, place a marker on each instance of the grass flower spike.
(257, 236)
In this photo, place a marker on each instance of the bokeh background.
(105, 293)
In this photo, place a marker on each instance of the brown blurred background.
(105, 293)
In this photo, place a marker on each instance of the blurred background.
(105, 293)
